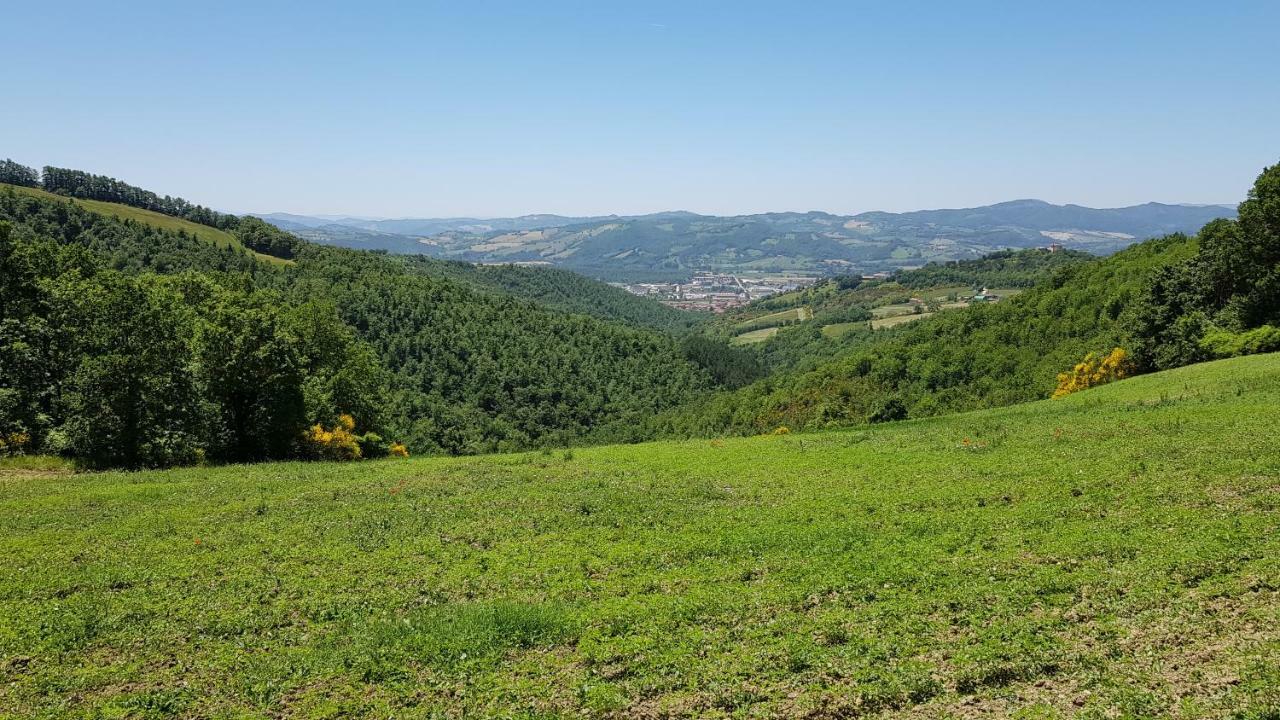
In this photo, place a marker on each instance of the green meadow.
(1114, 554)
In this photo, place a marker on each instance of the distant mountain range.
(674, 244)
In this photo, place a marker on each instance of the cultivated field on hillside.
(1111, 554)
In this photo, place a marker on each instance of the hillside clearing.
(211, 235)
(1114, 553)
(799, 314)
(754, 336)
(895, 320)
(836, 330)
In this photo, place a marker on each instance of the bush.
(340, 443)
(891, 410)
(1094, 370)
(1223, 344)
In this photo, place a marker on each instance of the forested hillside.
(1005, 268)
(978, 357)
(129, 344)
(563, 290)
(1167, 302)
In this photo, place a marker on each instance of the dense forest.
(562, 290)
(222, 357)
(1004, 268)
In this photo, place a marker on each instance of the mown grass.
(213, 236)
(1112, 554)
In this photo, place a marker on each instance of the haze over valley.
(673, 245)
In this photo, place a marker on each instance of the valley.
(672, 247)
(640, 361)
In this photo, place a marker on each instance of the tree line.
(252, 232)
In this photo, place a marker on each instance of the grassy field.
(754, 336)
(1112, 554)
(799, 314)
(214, 236)
(895, 320)
(836, 330)
(886, 311)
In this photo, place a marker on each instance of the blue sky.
(487, 108)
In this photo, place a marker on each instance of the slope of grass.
(799, 314)
(1111, 554)
(754, 336)
(213, 236)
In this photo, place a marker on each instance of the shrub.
(372, 445)
(340, 443)
(1223, 343)
(14, 443)
(1094, 370)
(891, 410)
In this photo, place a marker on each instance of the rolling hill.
(443, 357)
(1111, 554)
(676, 244)
(213, 236)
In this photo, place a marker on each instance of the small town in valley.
(718, 292)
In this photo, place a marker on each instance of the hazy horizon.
(506, 109)
(375, 218)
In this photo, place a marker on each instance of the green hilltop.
(211, 235)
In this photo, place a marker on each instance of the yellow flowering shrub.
(781, 430)
(14, 443)
(338, 443)
(399, 450)
(1094, 370)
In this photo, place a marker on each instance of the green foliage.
(273, 350)
(1222, 343)
(729, 366)
(79, 184)
(562, 290)
(16, 174)
(141, 370)
(129, 396)
(1231, 286)
(252, 370)
(265, 238)
(1004, 268)
(120, 244)
(983, 356)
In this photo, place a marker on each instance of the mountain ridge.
(675, 244)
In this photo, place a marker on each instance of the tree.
(130, 400)
(16, 174)
(1231, 286)
(251, 372)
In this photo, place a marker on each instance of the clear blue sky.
(486, 108)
